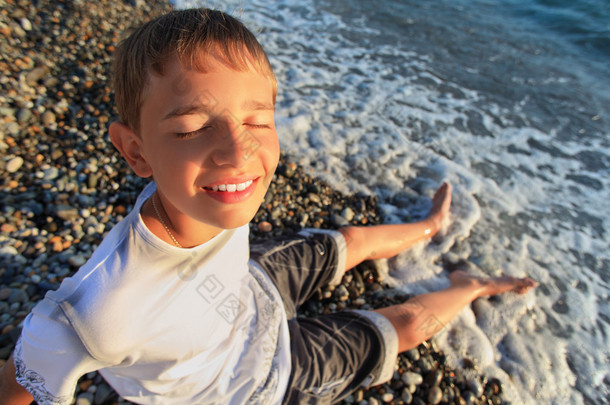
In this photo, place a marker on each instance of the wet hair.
(190, 35)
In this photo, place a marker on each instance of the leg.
(383, 241)
(423, 316)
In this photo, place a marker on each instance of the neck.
(179, 231)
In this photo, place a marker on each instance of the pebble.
(469, 397)
(434, 378)
(435, 395)
(48, 117)
(86, 398)
(338, 221)
(5, 293)
(265, 226)
(77, 260)
(24, 115)
(35, 75)
(18, 296)
(412, 378)
(341, 293)
(14, 164)
(103, 393)
(348, 214)
(26, 24)
(475, 386)
(406, 396)
(66, 212)
(412, 354)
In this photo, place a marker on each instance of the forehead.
(179, 86)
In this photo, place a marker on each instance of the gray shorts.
(332, 355)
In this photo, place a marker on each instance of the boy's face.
(209, 140)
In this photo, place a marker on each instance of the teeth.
(231, 188)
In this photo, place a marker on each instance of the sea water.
(507, 100)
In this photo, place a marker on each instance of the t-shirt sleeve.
(50, 357)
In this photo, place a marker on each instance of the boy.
(174, 307)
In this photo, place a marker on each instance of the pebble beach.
(63, 187)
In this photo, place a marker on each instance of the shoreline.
(64, 186)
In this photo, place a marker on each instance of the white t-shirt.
(163, 325)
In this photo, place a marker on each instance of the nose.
(234, 143)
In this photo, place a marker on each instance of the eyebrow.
(254, 105)
(192, 109)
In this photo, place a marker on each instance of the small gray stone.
(66, 212)
(5, 293)
(434, 378)
(24, 115)
(435, 395)
(341, 293)
(13, 128)
(387, 397)
(314, 198)
(412, 354)
(35, 75)
(51, 173)
(348, 214)
(48, 117)
(8, 251)
(426, 364)
(475, 386)
(77, 260)
(411, 378)
(26, 24)
(86, 398)
(338, 220)
(103, 393)
(406, 396)
(19, 296)
(469, 398)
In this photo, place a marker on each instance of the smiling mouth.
(230, 188)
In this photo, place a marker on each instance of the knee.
(354, 237)
(406, 321)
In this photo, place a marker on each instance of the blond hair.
(190, 35)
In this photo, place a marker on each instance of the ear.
(130, 145)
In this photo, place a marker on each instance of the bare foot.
(440, 205)
(492, 285)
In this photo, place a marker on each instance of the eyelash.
(183, 135)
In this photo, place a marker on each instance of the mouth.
(230, 188)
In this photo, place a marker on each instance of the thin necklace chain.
(171, 235)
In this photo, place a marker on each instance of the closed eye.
(258, 126)
(185, 135)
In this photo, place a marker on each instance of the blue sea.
(508, 100)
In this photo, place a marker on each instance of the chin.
(233, 222)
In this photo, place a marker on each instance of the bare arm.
(383, 241)
(11, 392)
